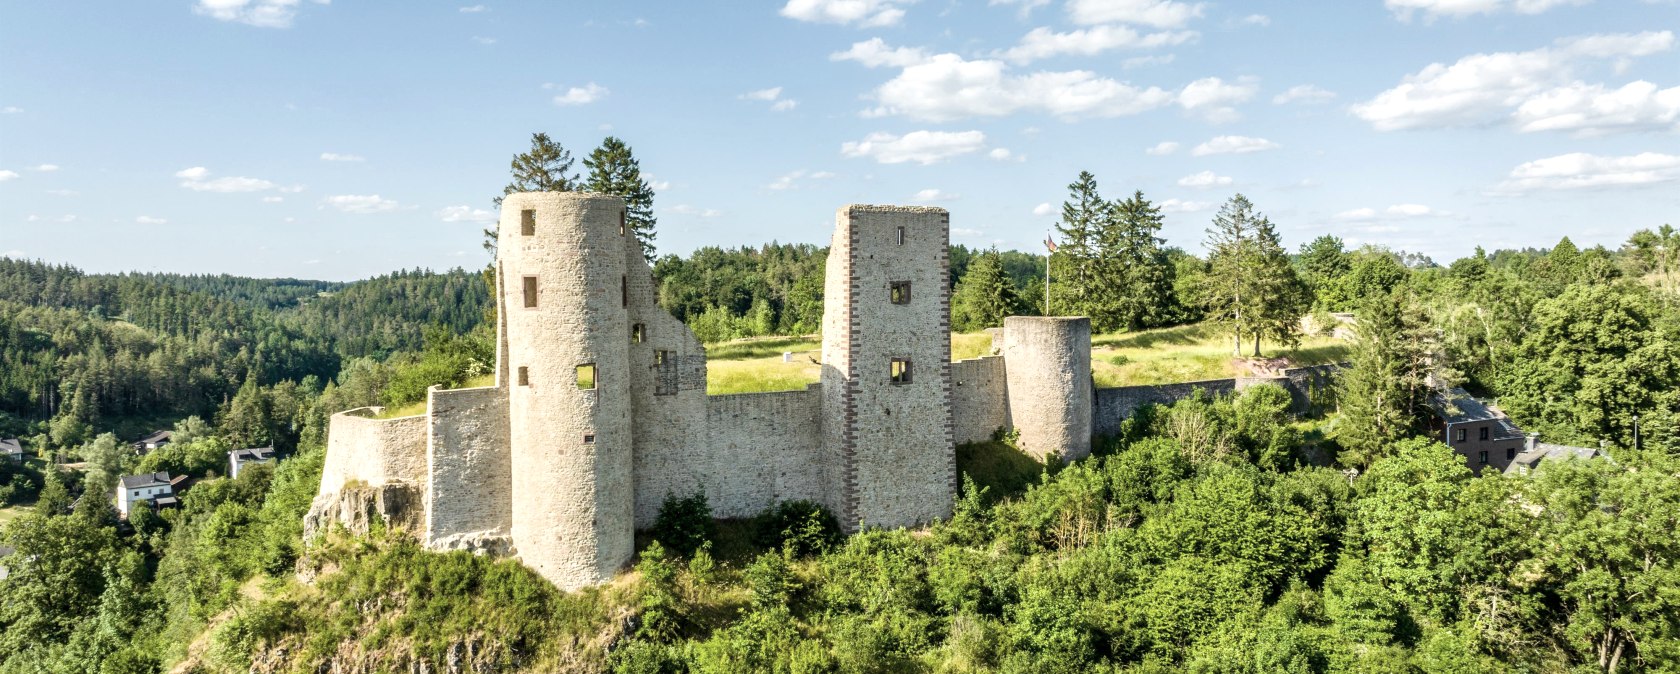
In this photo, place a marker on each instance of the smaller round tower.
(1047, 361)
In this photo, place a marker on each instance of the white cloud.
(1410, 210)
(1303, 93)
(1431, 9)
(656, 184)
(1356, 214)
(1044, 43)
(67, 218)
(361, 203)
(198, 179)
(1157, 13)
(770, 94)
(14, 254)
(1394, 212)
(472, 9)
(874, 53)
(1044, 209)
(10, 110)
(686, 209)
(484, 40)
(44, 168)
(964, 231)
(864, 13)
(948, 87)
(8, 175)
(62, 193)
(1535, 88)
(922, 147)
(1233, 145)
(1000, 153)
(1257, 20)
(784, 105)
(1027, 6)
(1146, 61)
(584, 95)
(1215, 99)
(1182, 206)
(273, 200)
(464, 214)
(149, 220)
(932, 195)
(260, 13)
(1204, 180)
(334, 156)
(791, 180)
(1162, 148)
(1579, 170)
(1594, 110)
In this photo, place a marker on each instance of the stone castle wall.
(468, 470)
(761, 449)
(363, 449)
(1048, 360)
(1307, 387)
(979, 399)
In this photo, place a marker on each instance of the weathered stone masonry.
(599, 410)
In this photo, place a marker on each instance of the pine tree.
(613, 169)
(1135, 276)
(1073, 275)
(1381, 394)
(1281, 298)
(544, 168)
(1233, 259)
(985, 295)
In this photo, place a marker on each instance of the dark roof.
(165, 502)
(1457, 406)
(156, 437)
(1545, 451)
(252, 454)
(10, 446)
(158, 479)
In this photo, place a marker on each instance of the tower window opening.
(624, 289)
(901, 236)
(586, 376)
(589, 438)
(900, 292)
(528, 222)
(638, 332)
(524, 376)
(622, 222)
(530, 288)
(900, 373)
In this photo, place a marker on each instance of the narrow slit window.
(638, 333)
(900, 292)
(624, 289)
(586, 376)
(901, 236)
(528, 222)
(530, 288)
(623, 224)
(900, 370)
(524, 376)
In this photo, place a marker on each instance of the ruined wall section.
(668, 399)
(572, 509)
(1050, 391)
(894, 439)
(763, 449)
(979, 398)
(469, 472)
(366, 450)
(1309, 388)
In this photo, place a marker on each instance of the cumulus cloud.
(44, 168)
(686, 209)
(793, 179)
(1044, 209)
(1027, 6)
(864, 13)
(1157, 13)
(773, 95)
(464, 214)
(1256, 20)
(1303, 93)
(260, 13)
(1001, 154)
(922, 147)
(149, 220)
(1233, 145)
(1204, 180)
(1183, 206)
(198, 179)
(1536, 90)
(1146, 61)
(874, 53)
(584, 95)
(1162, 148)
(932, 195)
(948, 87)
(8, 175)
(1044, 43)
(1432, 9)
(1215, 99)
(361, 203)
(334, 156)
(1579, 170)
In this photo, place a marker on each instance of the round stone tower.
(562, 263)
(1047, 361)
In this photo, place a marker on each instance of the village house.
(153, 441)
(11, 449)
(244, 457)
(154, 487)
(1486, 438)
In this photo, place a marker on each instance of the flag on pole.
(1050, 244)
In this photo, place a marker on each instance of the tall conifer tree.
(545, 168)
(1135, 275)
(613, 169)
(1073, 274)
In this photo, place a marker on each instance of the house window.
(586, 376)
(1461, 435)
(664, 373)
(1510, 453)
(622, 222)
(527, 222)
(524, 376)
(901, 236)
(1484, 433)
(589, 438)
(900, 370)
(900, 292)
(530, 292)
(637, 333)
(1482, 458)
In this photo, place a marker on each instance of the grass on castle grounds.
(756, 364)
(1193, 353)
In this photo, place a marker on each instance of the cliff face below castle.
(357, 507)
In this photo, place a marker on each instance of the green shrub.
(802, 527)
(684, 524)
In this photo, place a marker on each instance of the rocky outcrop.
(357, 507)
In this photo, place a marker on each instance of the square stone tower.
(888, 455)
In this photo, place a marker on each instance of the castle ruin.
(599, 408)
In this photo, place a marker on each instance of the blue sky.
(346, 139)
